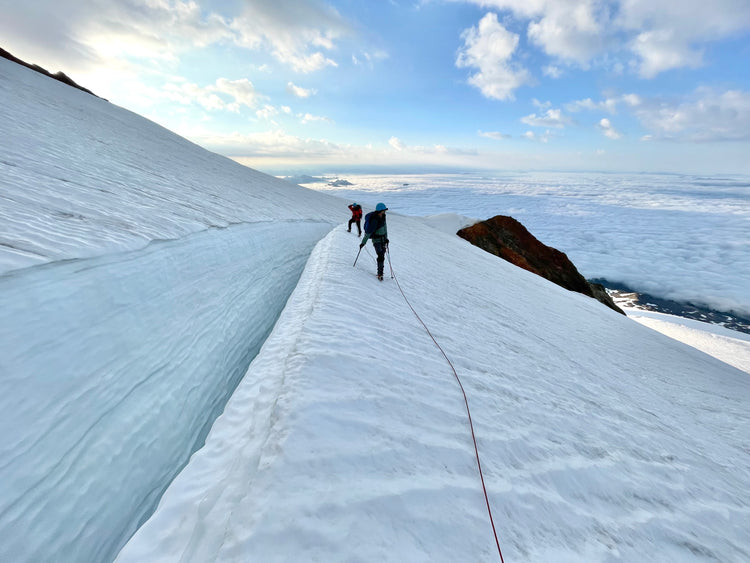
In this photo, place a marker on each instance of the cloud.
(665, 35)
(489, 47)
(568, 30)
(609, 131)
(81, 35)
(241, 90)
(655, 35)
(551, 118)
(662, 50)
(609, 105)
(552, 71)
(543, 138)
(369, 59)
(188, 94)
(493, 135)
(396, 143)
(571, 30)
(296, 32)
(707, 116)
(267, 112)
(300, 92)
(213, 97)
(274, 143)
(306, 118)
(433, 152)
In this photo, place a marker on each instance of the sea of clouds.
(679, 237)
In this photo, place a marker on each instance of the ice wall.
(113, 368)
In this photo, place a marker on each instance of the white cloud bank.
(81, 35)
(706, 116)
(709, 116)
(489, 48)
(649, 36)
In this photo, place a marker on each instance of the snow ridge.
(600, 440)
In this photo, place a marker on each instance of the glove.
(387, 241)
(361, 244)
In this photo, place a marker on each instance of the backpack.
(370, 222)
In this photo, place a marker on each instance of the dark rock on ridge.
(60, 76)
(507, 238)
(625, 295)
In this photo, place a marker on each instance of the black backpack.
(371, 222)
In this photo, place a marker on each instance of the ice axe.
(357, 258)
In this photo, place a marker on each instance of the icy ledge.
(114, 369)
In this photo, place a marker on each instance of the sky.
(413, 86)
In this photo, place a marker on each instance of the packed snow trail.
(466, 402)
(347, 439)
(115, 367)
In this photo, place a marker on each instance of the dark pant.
(353, 220)
(380, 249)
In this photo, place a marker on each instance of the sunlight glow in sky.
(417, 85)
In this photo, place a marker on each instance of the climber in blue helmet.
(377, 230)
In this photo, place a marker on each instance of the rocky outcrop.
(507, 238)
(60, 76)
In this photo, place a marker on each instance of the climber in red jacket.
(356, 210)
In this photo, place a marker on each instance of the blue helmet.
(381, 207)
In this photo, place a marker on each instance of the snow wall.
(113, 370)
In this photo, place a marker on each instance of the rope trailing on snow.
(466, 402)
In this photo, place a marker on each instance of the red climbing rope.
(466, 402)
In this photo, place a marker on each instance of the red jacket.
(356, 212)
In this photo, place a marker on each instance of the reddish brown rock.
(507, 238)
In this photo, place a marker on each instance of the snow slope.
(139, 276)
(82, 177)
(727, 345)
(347, 439)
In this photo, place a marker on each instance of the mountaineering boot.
(380, 277)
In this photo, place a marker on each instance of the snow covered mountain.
(150, 287)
